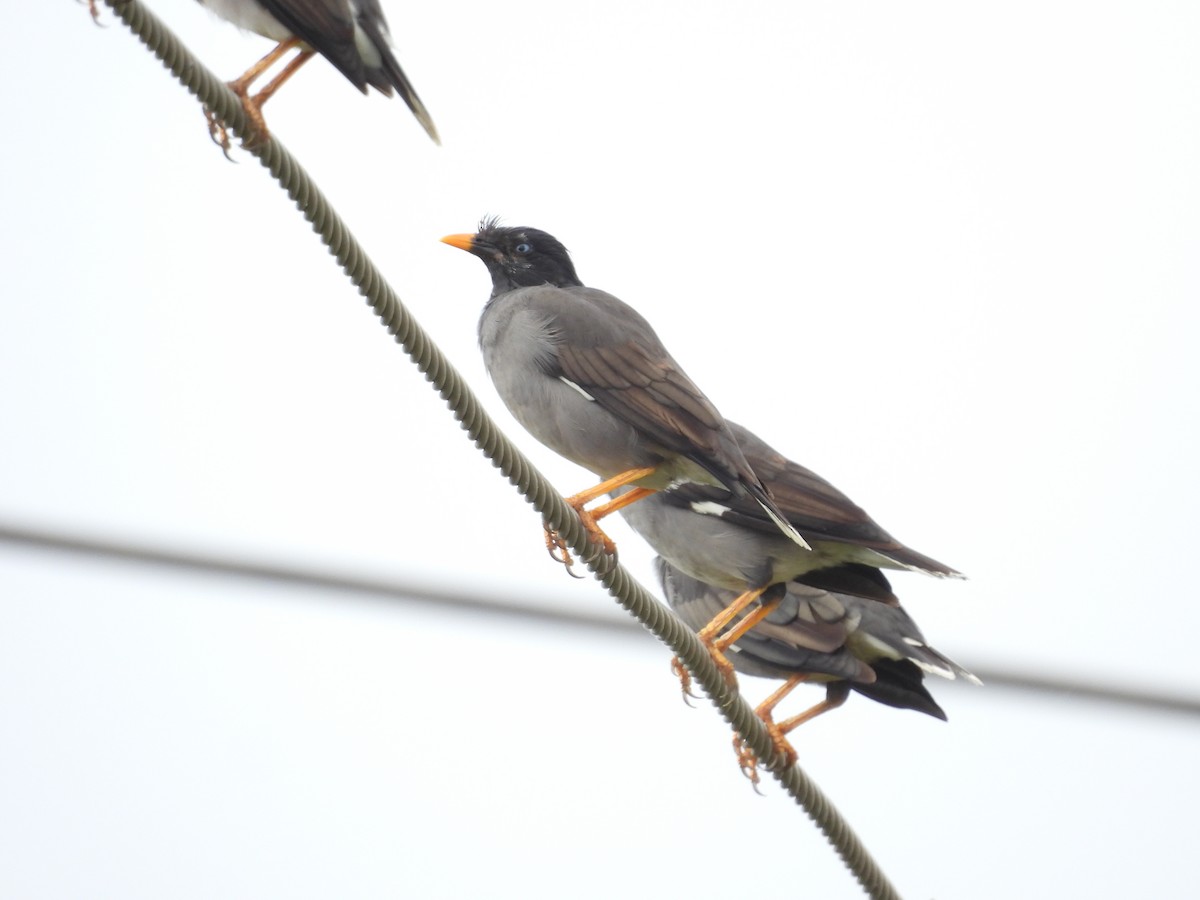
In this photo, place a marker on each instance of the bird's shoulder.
(585, 316)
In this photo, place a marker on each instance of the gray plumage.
(842, 640)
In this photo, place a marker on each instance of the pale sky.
(945, 255)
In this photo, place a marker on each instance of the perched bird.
(351, 34)
(817, 636)
(588, 377)
(712, 535)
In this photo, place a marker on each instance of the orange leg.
(747, 759)
(241, 84)
(610, 484)
(253, 104)
(718, 645)
(738, 631)
(728, 614)
(555, 545)
(606, 509)
(835, 696)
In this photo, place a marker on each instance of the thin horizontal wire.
(362, 272)
(467, 599)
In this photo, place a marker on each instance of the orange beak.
(461, 241)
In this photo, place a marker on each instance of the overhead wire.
(472, 600)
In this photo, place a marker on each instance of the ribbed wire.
(214, 94)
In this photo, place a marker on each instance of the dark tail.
(397, 79)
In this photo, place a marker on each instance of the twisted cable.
(537, 491)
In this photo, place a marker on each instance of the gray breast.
(519, 335)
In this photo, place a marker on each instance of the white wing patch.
(708, 508)
(569, 383)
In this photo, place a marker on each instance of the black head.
(518, 257)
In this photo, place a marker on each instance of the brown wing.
(817, 509)
(649, 392)
(786, 643)
(610, 351)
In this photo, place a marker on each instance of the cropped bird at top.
(713, 536)
(820, 637)
(589, 378)
(351, 34)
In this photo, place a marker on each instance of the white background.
(944, 254)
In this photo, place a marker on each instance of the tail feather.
(409, 95)
(899, 683)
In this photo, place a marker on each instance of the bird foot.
(258, 133)
(747, 761)
(253, 107)
(721, 661)
(559, 552)
(596, 533)
(685, 680)
(94, 11)
(219, 133)
(783, 749)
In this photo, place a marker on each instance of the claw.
(559, 552)
(94, 11)
(219, 133)
(556, 548)
(747, 761)
(685, 680)
(591, 518)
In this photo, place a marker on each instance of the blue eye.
(524, 249)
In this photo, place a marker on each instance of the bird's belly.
(704, 547)
(571, 425)
(249, 15)
(582, 431)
